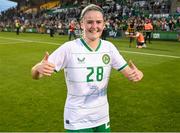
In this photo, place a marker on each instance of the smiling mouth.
(94, 31)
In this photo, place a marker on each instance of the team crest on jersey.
(81, 60)
(106, 58)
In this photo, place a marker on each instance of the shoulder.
(108, 45)
(67, 48)
(72, 43)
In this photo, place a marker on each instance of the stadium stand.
(39, 15)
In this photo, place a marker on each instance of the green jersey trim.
(122, 67)
(98, 45)
(102, 128)
(55, 71)
(87, 46)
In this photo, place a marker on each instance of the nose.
(94, 25)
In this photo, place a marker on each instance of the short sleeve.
(118, 62)
(60, 57)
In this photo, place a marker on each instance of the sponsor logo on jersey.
(106, 59)
(81, 60)
(67, 122)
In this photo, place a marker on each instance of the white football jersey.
(87, 74)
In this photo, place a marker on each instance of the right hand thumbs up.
(46, 56)
(45, 67)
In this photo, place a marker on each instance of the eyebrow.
(94, 20)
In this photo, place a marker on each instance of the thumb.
(46, 56)
(131, 65)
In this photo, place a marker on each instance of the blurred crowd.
(118, 16)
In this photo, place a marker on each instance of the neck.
(92, 43)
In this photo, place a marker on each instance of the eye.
(89, 22)
(98, 22)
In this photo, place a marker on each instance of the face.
(92, 25)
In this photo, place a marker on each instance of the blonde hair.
(91, 7)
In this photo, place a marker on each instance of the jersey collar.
(88, 47)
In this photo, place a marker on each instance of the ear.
(104, 25)
(82, 25)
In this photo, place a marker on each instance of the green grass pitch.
(152, 105)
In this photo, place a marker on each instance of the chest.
(89, 66)
(90, 59)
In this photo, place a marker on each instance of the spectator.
(148, 30)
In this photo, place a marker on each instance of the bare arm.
(132, 73)
(42, 68)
